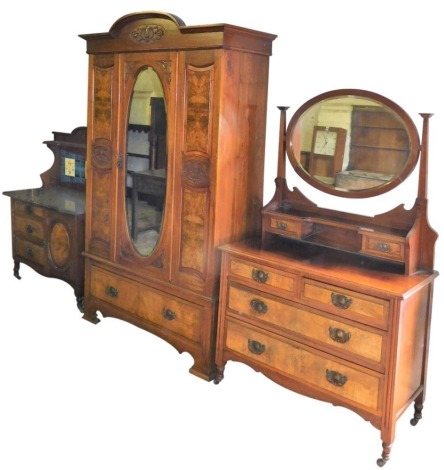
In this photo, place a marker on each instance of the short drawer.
(262, 276)
(31, 252)
(296, 227)
(164, 310)
(383, 246)
(24, 208)
(298, 319)
(347, 303)
(28, 227)
(305, 365)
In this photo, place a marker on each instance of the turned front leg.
(418, 411)
(385, 456)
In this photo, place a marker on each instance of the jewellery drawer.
(383, 246)
(30, 251)
(28, 227)
(304, 364)
(263, 277)
(294, 226)
(346, 303)
(24, 208)
(164, 310)
(298, 319)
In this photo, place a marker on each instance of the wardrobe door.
(145, 176)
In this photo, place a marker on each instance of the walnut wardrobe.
(175, 145)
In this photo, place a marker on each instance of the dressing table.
(48, 223)
(333, 305)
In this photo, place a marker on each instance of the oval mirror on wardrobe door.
(146, 161)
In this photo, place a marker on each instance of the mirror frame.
(362, 193)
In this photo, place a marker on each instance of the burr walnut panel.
(59, 244)
(198, 105)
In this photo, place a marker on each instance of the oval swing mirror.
(352, 143)
(146, 161)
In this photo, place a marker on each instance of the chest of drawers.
(343, 333)
(48, 226)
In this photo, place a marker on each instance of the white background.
(111, 396)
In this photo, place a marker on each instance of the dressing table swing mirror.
(334, 305)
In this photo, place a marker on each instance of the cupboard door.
(146, 134)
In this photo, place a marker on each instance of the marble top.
(59, 198)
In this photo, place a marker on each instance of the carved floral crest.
(149, 33)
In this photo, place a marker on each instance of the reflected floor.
(148, 226)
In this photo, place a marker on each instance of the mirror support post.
(282, 137)
(423, 163)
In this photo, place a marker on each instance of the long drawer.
(296, 318)
(302, 363)
(177, 315)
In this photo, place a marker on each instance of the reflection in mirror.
(349, 143)
(146, 161)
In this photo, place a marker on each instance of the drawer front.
(294, 227)
(28, 227)
(297, 319)
(24, 208)
(164, 310)
(30, 251)
(344, 302)
(263, 276)
(305, 365)
(383, 247)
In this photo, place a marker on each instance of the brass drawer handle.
(385, 247)
(341, 300)
(336, 378)
(29, 252)
(255, 347)
(168, 314)
(282, 225)
(112, 291)
(258, 305)
(29, 209)
(259, 276)
(29, 228)
(339, 335)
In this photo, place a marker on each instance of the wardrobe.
(153, 224)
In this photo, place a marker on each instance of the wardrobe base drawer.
(177, 315)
